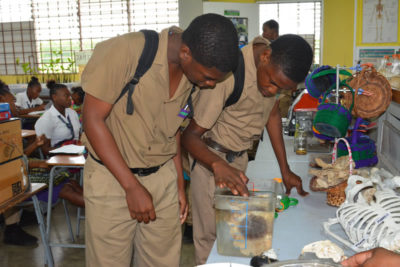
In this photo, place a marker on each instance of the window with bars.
(302, 18)
(42, 36)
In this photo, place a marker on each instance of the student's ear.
(185, 54)
(265, 56)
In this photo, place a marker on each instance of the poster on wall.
(380, 21)
(241, 25)
(374, 55)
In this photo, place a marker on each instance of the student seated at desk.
(29, 100)
(38, 172)
(60, 123)
(7, 97)
(78, 95)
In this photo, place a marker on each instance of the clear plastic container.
(245, 224)
(303, 131)
(303, 263)
(300, 141)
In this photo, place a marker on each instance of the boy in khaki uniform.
(270, 30)
(133, 180)
(219, 138)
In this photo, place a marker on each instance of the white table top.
(296, 226)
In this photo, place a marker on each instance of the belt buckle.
(230, 157)
(141, 172)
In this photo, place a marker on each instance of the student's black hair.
(78, 90)
(4, 88)
(272, 24)
(54, 87)
(213, 42)
(293, 55)
(33, 82)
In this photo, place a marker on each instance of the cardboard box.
(12, 179)
(4, 107)
(10, 140)
(5, 115)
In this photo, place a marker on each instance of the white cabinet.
(388, 143)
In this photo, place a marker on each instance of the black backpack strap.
(239, 76)
(145, 62)
(190, 103)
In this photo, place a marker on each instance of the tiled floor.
(14, 256)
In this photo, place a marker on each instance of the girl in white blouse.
(29, 100)
(60, 123)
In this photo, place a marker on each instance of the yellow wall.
(61, 78)
(232, 1)
(338, 33)
(9, 79)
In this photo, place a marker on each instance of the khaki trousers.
(203, 187)
(112, 236)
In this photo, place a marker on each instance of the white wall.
(249, 11)
(188, 10)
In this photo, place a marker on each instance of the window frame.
(54, 55)
(302, 1)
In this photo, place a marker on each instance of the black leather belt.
(229, 154)
(137, 171)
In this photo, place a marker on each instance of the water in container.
(245, 224)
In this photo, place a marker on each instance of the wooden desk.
(35, 188)
(67, 161)
(28, 133)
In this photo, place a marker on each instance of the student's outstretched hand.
(140, 203)
(39, 141)
(291, 180)
(227, 176)
(40, 107)
(374, 257)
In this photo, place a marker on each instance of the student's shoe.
(28, 218)
(15, 235)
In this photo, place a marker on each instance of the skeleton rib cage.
(365, 225)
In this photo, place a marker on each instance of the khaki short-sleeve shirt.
(147, 137)
(237, 126)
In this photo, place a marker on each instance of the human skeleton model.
(370, 216)
(379, 13)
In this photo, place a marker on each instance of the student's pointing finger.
(243, 191)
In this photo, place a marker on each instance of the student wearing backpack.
(219, 135)
(133, 179)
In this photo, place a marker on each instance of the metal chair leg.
(47, 249)
(68, 220)
(79, 217)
